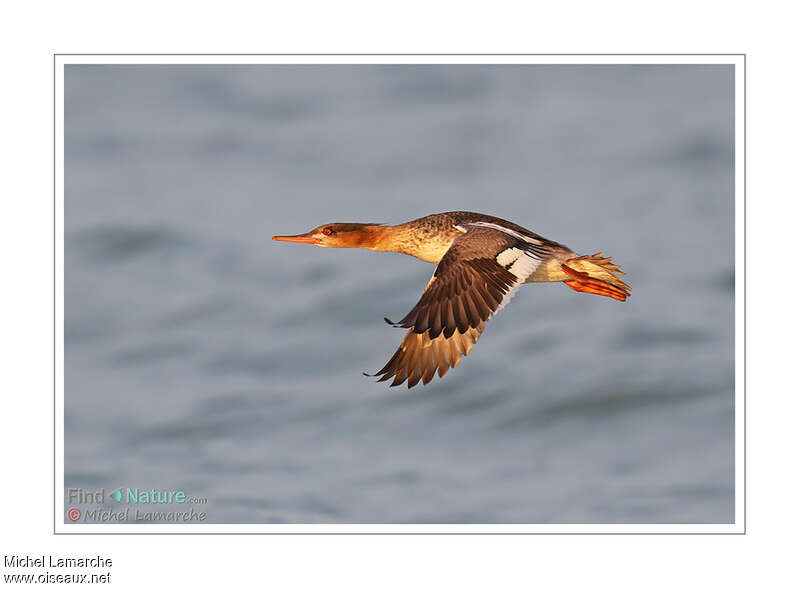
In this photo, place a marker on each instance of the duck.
(481, 261)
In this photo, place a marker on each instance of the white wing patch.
(524, 266)
(521, 264)
(508, 256)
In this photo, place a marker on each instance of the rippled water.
(200, 355)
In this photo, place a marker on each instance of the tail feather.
(596, 274)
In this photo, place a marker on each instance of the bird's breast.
(423, 243)
(431, 251)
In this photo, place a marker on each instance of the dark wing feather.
(467, 287)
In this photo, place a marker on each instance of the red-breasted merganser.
(482, 261)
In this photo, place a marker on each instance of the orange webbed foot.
(582, 282)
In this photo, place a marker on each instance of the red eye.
(327, 231)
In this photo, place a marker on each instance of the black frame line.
(378, 533)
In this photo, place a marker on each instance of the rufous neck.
(384, 238)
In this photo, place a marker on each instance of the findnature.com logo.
(132, 495)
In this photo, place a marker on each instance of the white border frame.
(60, 527)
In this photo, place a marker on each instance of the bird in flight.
(481, 263)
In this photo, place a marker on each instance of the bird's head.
(336, 235)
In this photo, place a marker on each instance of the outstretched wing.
(475, 278)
